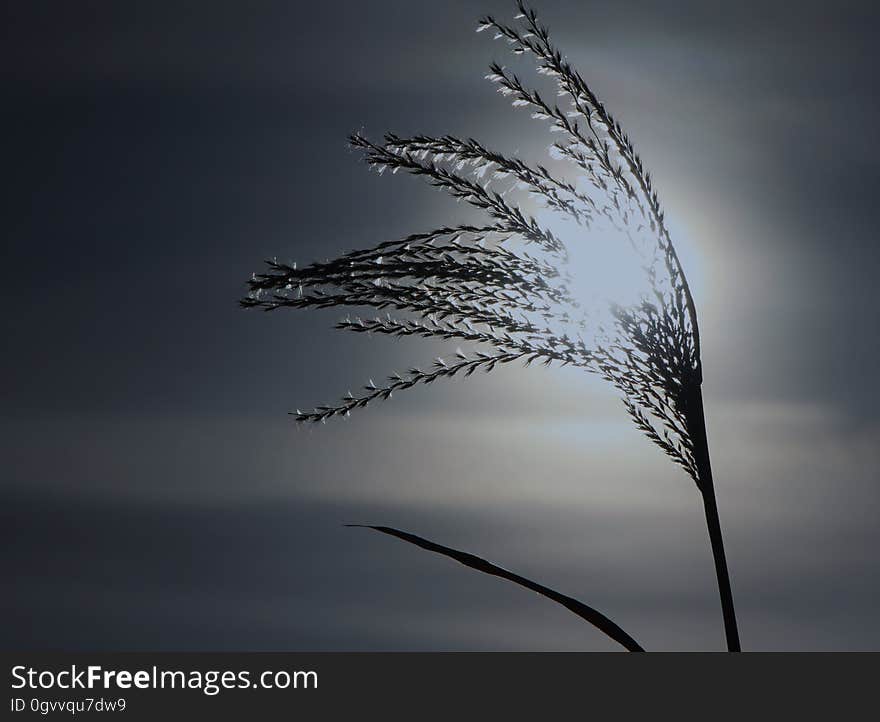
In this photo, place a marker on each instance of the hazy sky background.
(155, 494)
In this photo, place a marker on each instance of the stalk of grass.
(505, 286)
(587, 613)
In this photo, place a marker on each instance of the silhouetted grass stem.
(591, 615)
(713, 523)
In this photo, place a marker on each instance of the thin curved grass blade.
(593, 616)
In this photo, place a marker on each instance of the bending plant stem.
(713, 523)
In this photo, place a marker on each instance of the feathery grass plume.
(505, 286)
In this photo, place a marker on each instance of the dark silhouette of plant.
(475, 283)
(594, 617)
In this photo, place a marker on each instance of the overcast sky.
(155, 494)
